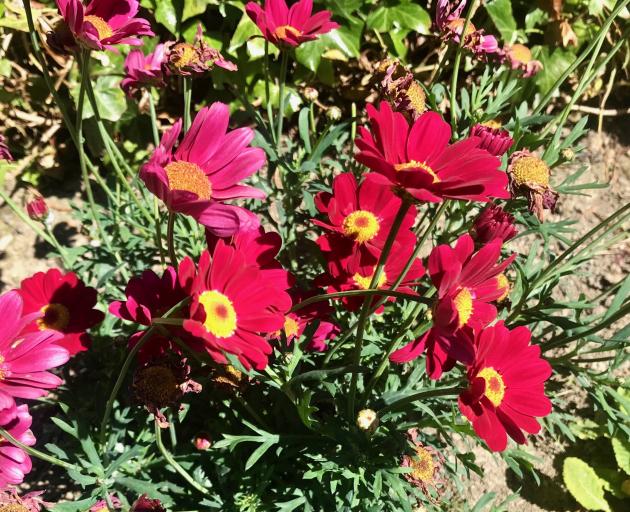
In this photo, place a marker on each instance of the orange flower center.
(102, 27)
(56, 317)
(362, 225)
(495, 386)
(291, 327)
(220, 314)
(423, 465)
(530, 169)
(363, 282)
(189, 177)
(282, 31)
(521, 53)
(414, 165)
(183, 54)
(493, 124)
(503, 284)
(457, 24)
(464, 305)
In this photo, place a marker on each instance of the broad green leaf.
(584, 484)
(554, 64)
(621, 447)
(501, 13)
(166, 14)
(411, 16)
(245, 29)
(110, 99)
(194, 7)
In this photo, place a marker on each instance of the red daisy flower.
(359, 277)
(360, 218)
(420, 159)
(67, 305)
(233, 304)
(493, 222)
(466, 283)
(15, 462)
(506, 390)
(205, 170)
(286, 27)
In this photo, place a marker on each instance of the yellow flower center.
(464, 305)
(414, 165)
(530, 169)
(362, 225)
(13, 507)
(495, 387)
(220, 314)
(189, 177)
(56, 317)
(423, 465)
(521, 53)
(102, 27)
(417, 97)
(363, 282)
(282, 31)
(183, 54)
(493, 124)
(503, 284)
(156, 385)
(291, 327)
(457, 24)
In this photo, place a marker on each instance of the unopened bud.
(568, 154)
(333, 113)
(202, 441)
(36, 208)
(311, 94)
(367, 420)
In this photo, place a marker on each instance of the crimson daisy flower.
(359, 277)
(506, 390)
(205, 170)
(466, 282)
(360, 219)
(14, 461)
(143, 70)
(290, 27)
(233, 303)
(420, 159)
(67, 305)
(104, 23)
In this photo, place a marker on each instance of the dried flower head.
(519, 56)
(311, 94)
(397, 85)
(425, 464)
(229, 379)
(11, 501)
(529, 177)
(367, 420)
(333, 114)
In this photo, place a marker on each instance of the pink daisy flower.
(205, 171)
(15, 462)
(143, 70)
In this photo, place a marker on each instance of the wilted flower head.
(36, 208)
(367, 420)
(145, 504)
(494, 140)
(202, 441)
(5, 154)
(186, 59)
(104, 23)
(334, 113)
(143, 70)
(290, 27)
(425, 464)
(228, 379)
(398, 86)
(519, 56)
(529, 176)
(493, 222)
(11, 501)
(311, 94)
(162, 383)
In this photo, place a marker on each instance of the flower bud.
(144, 504)
(311, 94)
(494, 140)
(568, 154)
(202, 441)
(367, 420)
(333, 113)
(493, 222)
(36, 208)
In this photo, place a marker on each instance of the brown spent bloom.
(398, 86)
(229, 379)
(425, 464)
(367, 421)
(11, 501)
(529, 177)
(162, 383)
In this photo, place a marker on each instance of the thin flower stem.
(156, 205)
(283, 77)
(365, 308)
(58, 246)
(458, 58)
(36, 453)
(187, 102)
(168, 321)
(270, 119)
(174, 464)
(431, 393)
(154, 123)
(170, 238)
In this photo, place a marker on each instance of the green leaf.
(80, 478)
(74, 506)
(501, 13)
(584, 484)
(166, 14)
(304, 130)
(554, 64)
(259, 452)
(194, 7)
(245, 29)
(621, 447)
(404, 15)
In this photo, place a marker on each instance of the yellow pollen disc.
(363, 282)
(521, 53)
(417, 97)
(423, 465)
(414, 165)
(157, 384)
(362, 225)
(464, 305)
(530, 169)
(102, 28)
(291, 327)
(495, 387)
(282, 31)
(189, 177)
(493, 124)
(220, 314)
(457, 24)
(183, 55)
(503, 284)
(13, 507)
(56, 317)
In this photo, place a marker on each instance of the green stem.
(170, 238)
(58, 246)
(174, 464)
(36, 453)
(365, 308)
(270, 120)
(283, 77)
(156, 205)
(168, 321)
(431, 393)
(458, 58)
(154, 123)
(187, 102)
